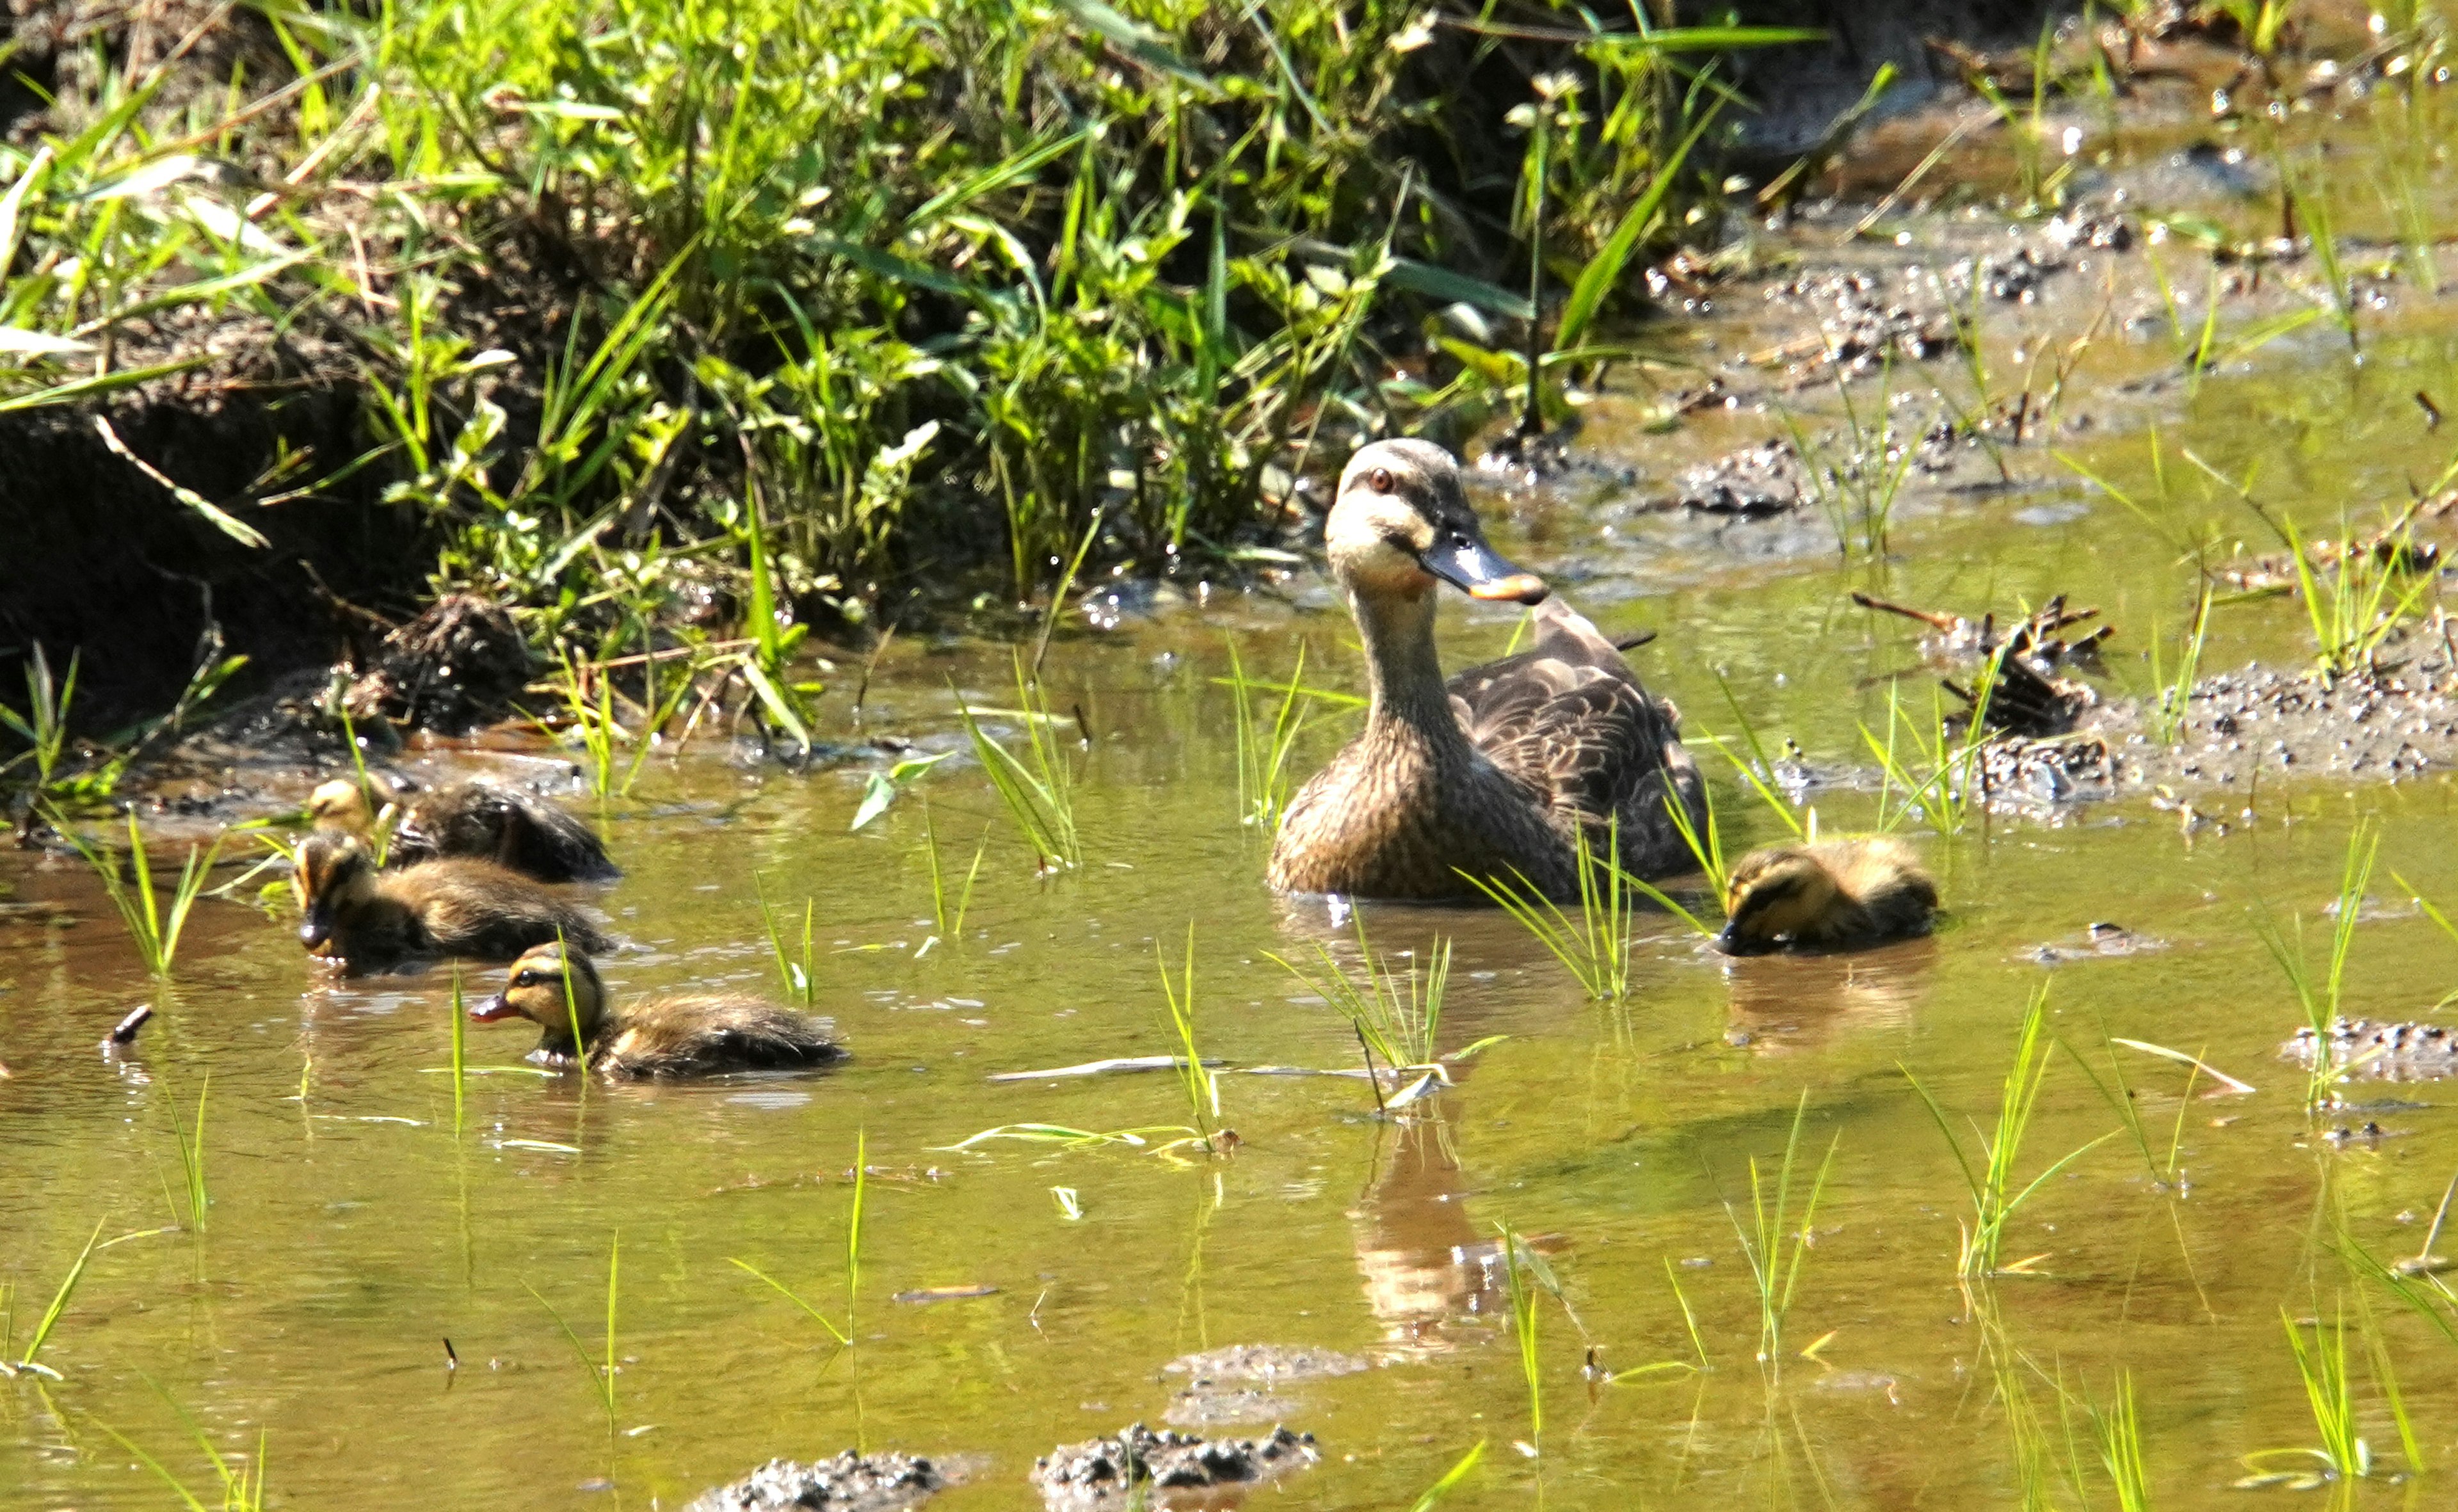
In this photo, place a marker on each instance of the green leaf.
(1135, 39)
(1604, 270)
(1441, 284)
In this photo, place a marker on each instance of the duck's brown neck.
(1403, 673)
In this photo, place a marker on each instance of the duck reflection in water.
(1781, 1003)
(1423, 1262)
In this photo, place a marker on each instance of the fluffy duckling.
(341, 806)
(373, 920)
(1830, 895)
(695, 1034)
(1497, 772)
(480, 820)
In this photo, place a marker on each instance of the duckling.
(503, 825)
(341, 806)
(1497, 774)
(458, 907)
(1830, 895)
(696, 1034)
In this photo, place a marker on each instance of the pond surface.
(357, 1223)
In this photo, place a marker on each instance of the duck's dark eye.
(527, 978)
(1379, 480)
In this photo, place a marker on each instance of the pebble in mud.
(2405, 1051)
(1119, 1470)
(849, 1482)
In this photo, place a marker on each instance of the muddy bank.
(885, 1482)
(104, 561)
(1141, 1467)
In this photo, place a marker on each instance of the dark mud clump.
(460, 664)
(1752, 483)
(2405, 1051)
(1242, 1382)
(849, 1482)
(1114, 1472)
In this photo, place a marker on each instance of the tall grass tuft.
(2116, 1431)
(2321, 1365)
(1594, 945)
(28, 1361)
(2176, 687)
(192, 1156)
(44, 726)
(1994, 1197)
(842, 1334)
(243, 1486)
(1521, 1268)
(1038, 788)
(1396, 1016)
(1932, 773)
(950, 925)
(1263, 777)
(1201, 1088)
(798, 970)
(2357, 599)
(155, 927)
(2319, 1001)
(1773, 1244)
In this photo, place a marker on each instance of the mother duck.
(1495, 773)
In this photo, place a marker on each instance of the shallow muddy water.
(353, 1230)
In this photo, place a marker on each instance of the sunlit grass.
(1450, 1480)
(1263, 777)
(600, 1371)
(1593, 946)
(1995, 1198)
(1396, 1015)
(1932, 773)
(153, 924)
(2168, 715)
(798, 969)
(1037, 789)
(1775, 1242)
(950, 923)
(843, 1333)
(1195, 1080)
(242, 1484)
(2319, 1001)
(192, 1155)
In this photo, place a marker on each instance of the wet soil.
(1164, 1468)
(1241, 1383)
(850, 1482)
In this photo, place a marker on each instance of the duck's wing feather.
(1569, 718)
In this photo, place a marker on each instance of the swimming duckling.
(511, 828)
(1498, 773)
(1829, 895)
(458, 907)
(695, 1034)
